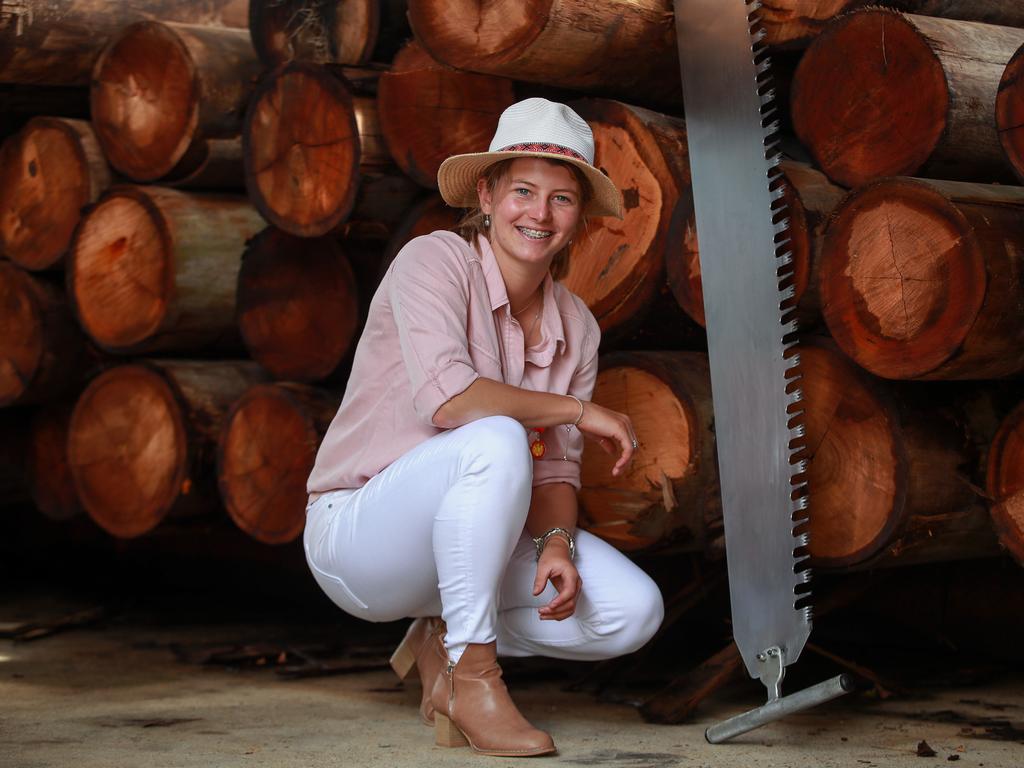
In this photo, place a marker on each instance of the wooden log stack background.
(248, 171)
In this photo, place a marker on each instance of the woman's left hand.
(555, 566)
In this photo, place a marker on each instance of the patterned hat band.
(553, 149)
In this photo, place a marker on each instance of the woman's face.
(534, 210)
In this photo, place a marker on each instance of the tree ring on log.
(265, 454)
(857, 463)
(145, 100)
(44, 183)
(298, 307)
(886, 115)
(1006, 483)
(642, 507)
(903, 278)
(615, 265)
(302, 150)
(22, 340)
(121, 272)
(127, 449)
(1010, 112)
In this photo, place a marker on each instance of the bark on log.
(49, 475)
(891, 481)
(56, 42)
(168, 99)
(156, 269)
(1006, 483)
(811, 198)
(265, 455)
(668, 499)
(619, 49)
(298, 305)
(920, 279)
(884, 94)
(618, 267)
(795, 23)
(48, 172)
(313, 156)
(143, 437)
(430, 111)
(42, 350)
(327, 31)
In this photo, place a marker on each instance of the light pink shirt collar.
(552, 330)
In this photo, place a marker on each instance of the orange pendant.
(537, 447)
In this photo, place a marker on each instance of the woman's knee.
(627, 621)
(498, 442)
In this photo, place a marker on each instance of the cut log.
(156, 269)
(430, 112)
(327, 31)
(1006, 483)
(306, 165)
(298, 306)
(617, 267)
(49, 475)
(920, 279)
(668, 498)
(142, 439)
(266, 453)
(810, 198)
(795, 23)
(884, 94)
(56, 42)
(48, 173)
(618, 49)
(889, 476)
(43, 353)
(428, 215)
(1010, 112)
(161, 93)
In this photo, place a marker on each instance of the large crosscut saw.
(745, 270)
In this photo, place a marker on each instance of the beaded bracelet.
(542, 540)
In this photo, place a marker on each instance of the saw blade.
(746, 274)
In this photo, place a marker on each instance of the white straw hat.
(532, 128)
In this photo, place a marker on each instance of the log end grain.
(22, 340)
(646, 505)
(429, 111)
(1010, 112)
(616, 266)
(902, 278)
(127, 450)
(120, 271)
(302, 150)
(265, 455)
(145, 100)
(1005, 480)
(45, 180)
(870, 98)
(298, 306)
(856, 462)
(468, 34)
(49, 475)
(314, 32)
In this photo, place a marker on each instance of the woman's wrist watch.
(541, 541)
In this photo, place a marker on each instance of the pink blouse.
(439, 319)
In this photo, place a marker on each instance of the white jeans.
(441, 531)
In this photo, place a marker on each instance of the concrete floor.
(116, 695)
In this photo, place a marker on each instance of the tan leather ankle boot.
(422, 649)
(472, 706)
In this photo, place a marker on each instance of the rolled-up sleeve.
(563, 452)
(429, 295)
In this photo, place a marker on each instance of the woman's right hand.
(613, 430)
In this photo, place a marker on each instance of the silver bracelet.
(541, 541)
(580, 404)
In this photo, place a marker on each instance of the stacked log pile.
(324, 121)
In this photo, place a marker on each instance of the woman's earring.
(487, 221)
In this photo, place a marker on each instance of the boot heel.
(446, 733)
(403, 660)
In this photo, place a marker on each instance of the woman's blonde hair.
(471, 226)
